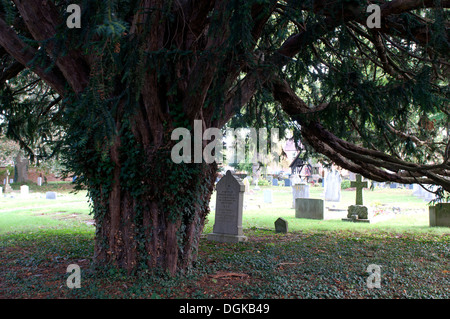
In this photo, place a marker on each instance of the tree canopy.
(374, 100)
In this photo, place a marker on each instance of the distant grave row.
(230, 199)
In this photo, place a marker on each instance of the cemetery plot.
(387, 208)
(283, 257)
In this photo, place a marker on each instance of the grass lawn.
(39, 238)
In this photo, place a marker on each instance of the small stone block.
(281, 225)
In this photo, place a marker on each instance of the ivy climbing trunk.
(153, 212)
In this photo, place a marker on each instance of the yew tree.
(371, 98)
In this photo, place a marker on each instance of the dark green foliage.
(300, 265)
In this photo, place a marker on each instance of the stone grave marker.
(257, 188)
(333, 186)
(50, 195)
(309, 208)
(300, 190)
(39, 181)
(268, 196)
(295, 179)
(429, 195)
(359, 184)
(275, 182)
(24, 190)
(281, 225)
(8, 188)
(229, 207)
(358, 212)
(440, 215)
(425, 192)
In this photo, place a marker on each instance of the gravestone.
(50, 195)
(8, 188)
(268, 196)
(418, 190)
(229, 206)
(275, 182)
(295, 179)
(310, 208)
(359, 189)
(425, 191)
(429, 195)
(1, 191)
(440, 215)
(281, 225)
(358, 212)
(24, 190)
(247, 185)
(333, 186)
(287, 182)
(393, 185)
(39, 181)
(300, 190)
(257, 188)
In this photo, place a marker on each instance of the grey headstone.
(357, 213)
(229, 207)
(24, 190)
(50, 195)
(281, 225)
(275, 182)
(359, 210)
(333, 186)
(39, 181)
(440, 215)
(268, 196)
(299, 191)
(359, 185)
(309, 208)
(287, 182)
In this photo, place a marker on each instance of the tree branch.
(41, 19)
(25, 54)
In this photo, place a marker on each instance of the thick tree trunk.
(21, 169)
(154, 223)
